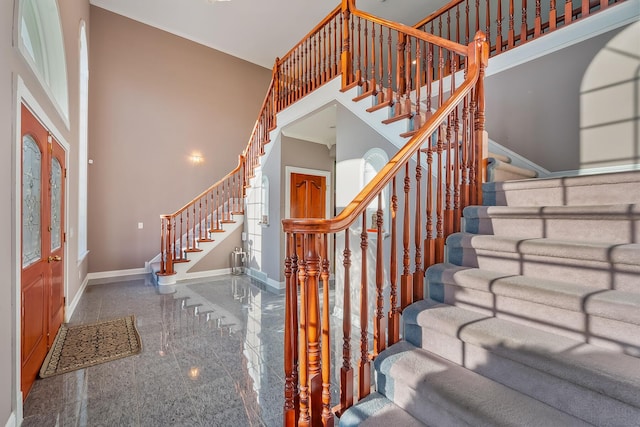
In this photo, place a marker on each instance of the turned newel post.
(346, 57)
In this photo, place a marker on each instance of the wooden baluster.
(394, 313)
(464, 191)
(365, 71)
(380, 89)
(488, 19)
(373, 84)
(336, 46)
(553, 15)
(472, 150)
(400, 73)
(458, 23)
(429, 244)
(406, 286)
(448, 202)
(477, 27)
(327, 414)
(290, 329)
(429, 84)
(538, 22)
(304, 414)
(389, 94)
(457, 213)
(359, 58)
(439, 245)
(346, 372)
(417, 118)
(524, 26)
(407, 77)
(364, 367)
(467, 34)
(418, 274)
(449, 25)
(188, 236)
(163, 237)
(380, 324)
(179, 237)
(295, 345)
(499, 28)
(313, 332)
(511, 36)
(326, 58)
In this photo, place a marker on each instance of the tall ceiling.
(257, 31)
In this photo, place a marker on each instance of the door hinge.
(64, 237)
(65, 172)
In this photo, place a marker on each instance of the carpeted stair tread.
(376, 410)
(589, 251)
(610, 304)
(610, 373)
(611, 223)
(611, 188)
(623, 210)
(439, 392)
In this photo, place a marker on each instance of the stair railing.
(311, 63)
(198, 220)
(507, 23)
(424, 211)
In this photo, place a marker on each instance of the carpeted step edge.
(448, 394)
(612, 374)
(628, 253)
(611, 304)
(376, 410)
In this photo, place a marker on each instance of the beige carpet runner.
(81, 346)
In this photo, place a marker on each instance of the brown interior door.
(308, 194)
(42, 237)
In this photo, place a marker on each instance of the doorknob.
(54, 258)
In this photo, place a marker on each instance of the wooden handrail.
(439, 12)
(355, 208)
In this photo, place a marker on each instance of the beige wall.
(12, 68)
(154, 99)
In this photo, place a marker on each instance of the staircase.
(533, 320)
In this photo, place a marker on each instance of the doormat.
(81, 346)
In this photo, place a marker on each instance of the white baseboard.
(12, 422)
(76, 299)
(269, 282)
(116, 273)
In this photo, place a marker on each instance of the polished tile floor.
(212, 356)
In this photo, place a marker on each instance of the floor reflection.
(212, 356)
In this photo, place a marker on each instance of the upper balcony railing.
(507, 23)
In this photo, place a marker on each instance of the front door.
(308, 195)
(43, 238)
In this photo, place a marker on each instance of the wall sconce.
(196, 158)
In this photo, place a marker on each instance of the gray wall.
(155, 98)
(534, 108)
(219, 257)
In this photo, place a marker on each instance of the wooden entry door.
(308, 199)
(43, 238)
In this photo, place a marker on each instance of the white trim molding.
(69, 309)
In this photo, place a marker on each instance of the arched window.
(42, 46)
(83, 143)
